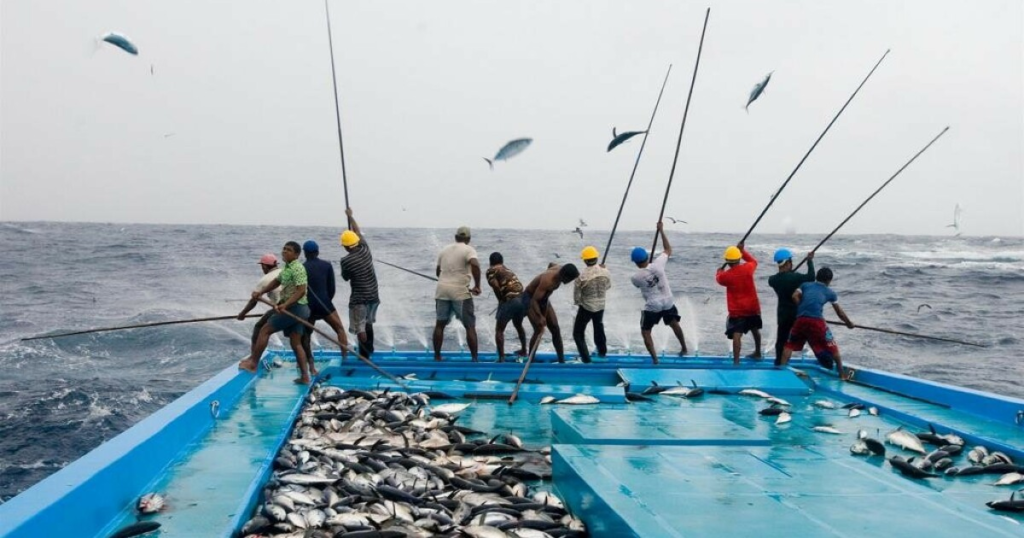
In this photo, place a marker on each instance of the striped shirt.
(357, 268)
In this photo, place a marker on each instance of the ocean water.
(60, 398)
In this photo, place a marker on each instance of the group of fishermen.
(305, 292)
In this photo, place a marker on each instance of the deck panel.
(776, 382)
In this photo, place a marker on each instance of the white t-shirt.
(275, 295)
(653, 284)
(456, 278)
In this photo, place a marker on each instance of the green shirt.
(292, 276)
(785, 284)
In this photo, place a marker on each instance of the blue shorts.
(288, 324)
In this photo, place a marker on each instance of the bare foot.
(248, 366)
(304, 380)
(655, 361)
(501, 359)
(754, 356)
(682, 352)
(437, 359)
(521, 353)
(313, 370)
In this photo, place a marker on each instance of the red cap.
(268, 259)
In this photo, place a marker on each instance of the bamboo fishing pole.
(407, 270)
(526, 367)
(639, 153)
(808, 154)
(682, 126)
(139, 326)
(847, 219)
(912, 335)
(337, 109)
(334, 341)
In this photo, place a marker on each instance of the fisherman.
(810, 326)
(507, 289)
(741, 298)
(536, 300)
(357, 268)
(589, 294)
(320, 288)
(268, 263)
(659, 305)
(785, 282)
(455, 264)
(292, 280)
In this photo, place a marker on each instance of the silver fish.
(854, 413)
(120, 41)
(1008, 479)
(150, 503)
(824, 404)
(827, 429)
(783, 418)
(905, 440)
(873, 411)
(778, 401)
(579, 399)
(451, 409)
(547, 400)
(758, 90)
(755, 393)
(509, 150)
(860, 448)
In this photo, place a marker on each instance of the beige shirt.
(591, 288)
(273, 296)
(456, 277)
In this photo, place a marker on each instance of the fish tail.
(489, 163)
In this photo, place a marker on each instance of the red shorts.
(815, 332)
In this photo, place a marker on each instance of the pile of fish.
(388, 464)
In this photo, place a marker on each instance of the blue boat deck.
(708, 466)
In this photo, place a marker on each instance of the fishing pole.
(679, 141)
(829, 236)
(526, 367)
(337, 109)
(643, 143)
(138, 326)
(333, 340)
(913, 335)
(407, 270)
(808, 154)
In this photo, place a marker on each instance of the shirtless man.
(535, 297)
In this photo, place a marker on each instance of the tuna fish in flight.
(758, 90)
(509, 150)
(619, 138)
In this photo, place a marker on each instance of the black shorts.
(649, 319)
(511, 310)
(741, 325)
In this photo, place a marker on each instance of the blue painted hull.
(212, 465)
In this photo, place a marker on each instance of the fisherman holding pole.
(810, 326)
(589, 294)
(455, 263)
(659, 303)
(292, 281)
(507, 289)
(268, 263)
(741, 297)
(537, 297)
(320, 286)
(785, 283)
(357, 269)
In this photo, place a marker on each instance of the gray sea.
(60, 398)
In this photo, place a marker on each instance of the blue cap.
(782, 255)
(638, 255)
(311, 246)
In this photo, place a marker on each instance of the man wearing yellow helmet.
(589, 294)
(741, 297)
(357, 268)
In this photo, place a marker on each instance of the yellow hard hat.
(589, 253)
(733, 254)
(349, 238)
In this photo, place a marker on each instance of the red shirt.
(740, 291)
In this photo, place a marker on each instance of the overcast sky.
(236, 124)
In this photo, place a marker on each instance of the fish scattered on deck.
(1012, 505)
(758, 90)
(1009, 479)
(783, 418)
(509, 150)
(824, 404)
(136, 529)
(547, 400)
(150, 503)
(907, 468)
(755, 393)
(579, 399)
(854, 413)
(827, 429)
(905, 440)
